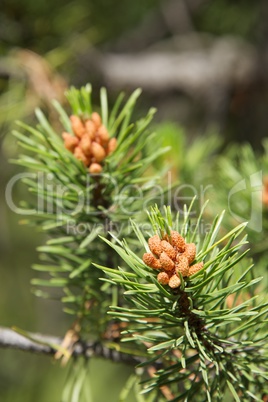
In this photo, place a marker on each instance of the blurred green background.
(46, 46)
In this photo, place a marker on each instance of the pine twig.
(12, 340)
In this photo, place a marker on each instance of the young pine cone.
(77, 126)
(151, 261)
(195, 268)
(91, 143)
(85, 144)
(168, 249)
(190, 252)
(174, 282)
(182, 265)
(70, 142)
(166, 263)
(163, 278)
(95, 168)
(173, 256)
(155, 245)
(79, 154)
(177, 241)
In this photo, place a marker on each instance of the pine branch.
(181, 317)
(13, 340)
(43, 345)
(96, 200)
(189, 306)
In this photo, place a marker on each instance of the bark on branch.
(44, 345)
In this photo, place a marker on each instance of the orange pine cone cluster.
(173, 256)
(91, 143)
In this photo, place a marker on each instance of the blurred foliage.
(223, 17)
(42, 26)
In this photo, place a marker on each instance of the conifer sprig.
(67, 198)
(210, 332)
(190, 309)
